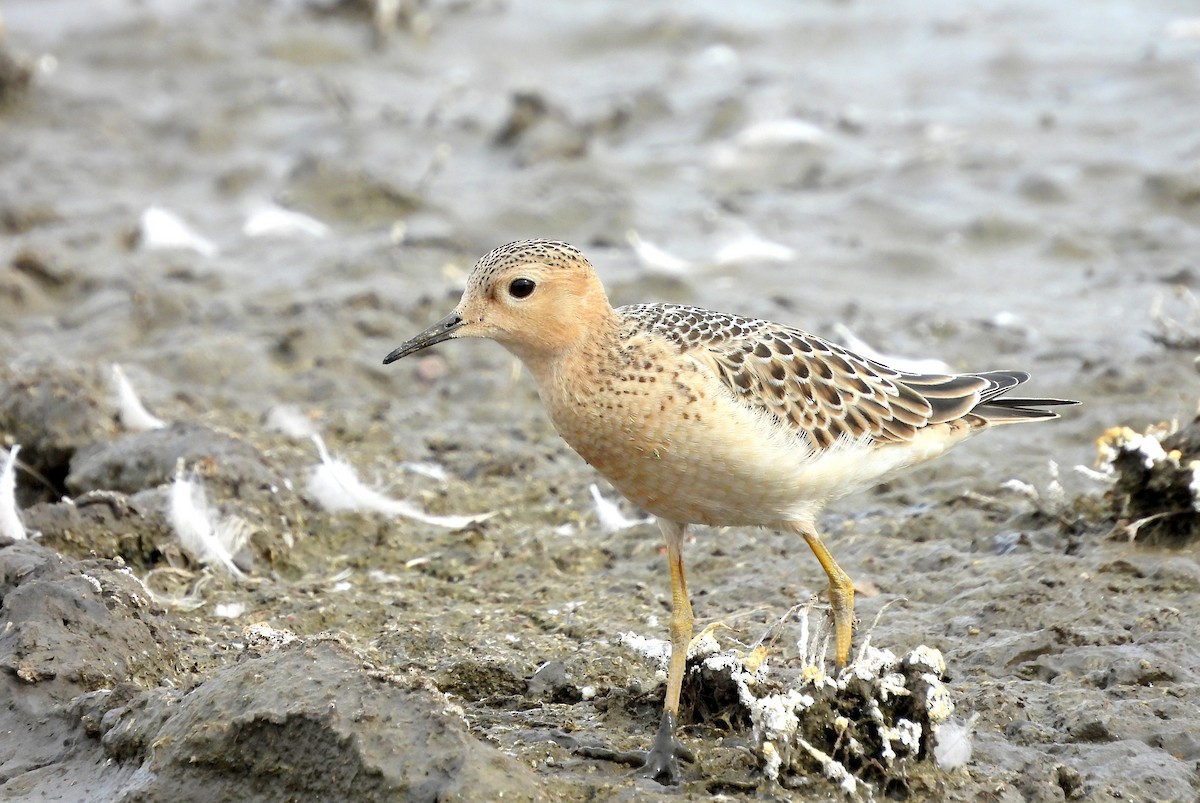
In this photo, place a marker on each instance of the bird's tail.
(994, 408)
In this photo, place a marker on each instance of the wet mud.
(1000, 186)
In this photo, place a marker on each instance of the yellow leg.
(681, 616)
(662, 760)
(841, 592)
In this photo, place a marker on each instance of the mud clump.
(76, 626)
(1156, 481)
(308, 720)
(107, 525)
(130, 474)
(146, 459)
(67, 629)
(92, 672)
(872, 725)
(52, 412)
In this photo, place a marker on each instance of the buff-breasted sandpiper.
(702, 417)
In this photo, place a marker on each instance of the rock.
(106, 525)
(1042, 188)
(307, 721)
(68, 628)
(148, 459)
(337, 193)
(552, 682)
(237, 480)
(52, 411)
(74, 626)
(86, 655)
(478, 680)
(1175, 190)
(1130, 770)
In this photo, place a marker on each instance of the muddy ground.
(998, 185)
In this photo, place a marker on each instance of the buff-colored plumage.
(701, 417)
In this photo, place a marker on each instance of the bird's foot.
(662, 759)
(659, 763)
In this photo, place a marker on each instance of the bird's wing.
(823, 390)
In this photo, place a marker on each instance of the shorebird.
(702, 417)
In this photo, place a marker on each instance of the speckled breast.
(679, 445)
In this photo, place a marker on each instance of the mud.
(1009, 185)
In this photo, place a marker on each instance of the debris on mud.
(1156, 481)
(862, 727)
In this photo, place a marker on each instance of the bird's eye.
(521, 288)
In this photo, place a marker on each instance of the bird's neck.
(559, 371)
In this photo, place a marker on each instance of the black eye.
(521, 288)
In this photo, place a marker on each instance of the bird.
(709, 418)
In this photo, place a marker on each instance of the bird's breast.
(676, 443)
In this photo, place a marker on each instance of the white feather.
(132, 412)
(610, 515)
(290, 421)
(782, 133)
(336, 487)
(749, 247)
(275, 221)
(10, 520)
(229, 610)
(655, 259)
(207, 538)
(953, 748)
(163, 229)
(433, 471)
(908, 364)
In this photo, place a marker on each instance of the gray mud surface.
(999, 185)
